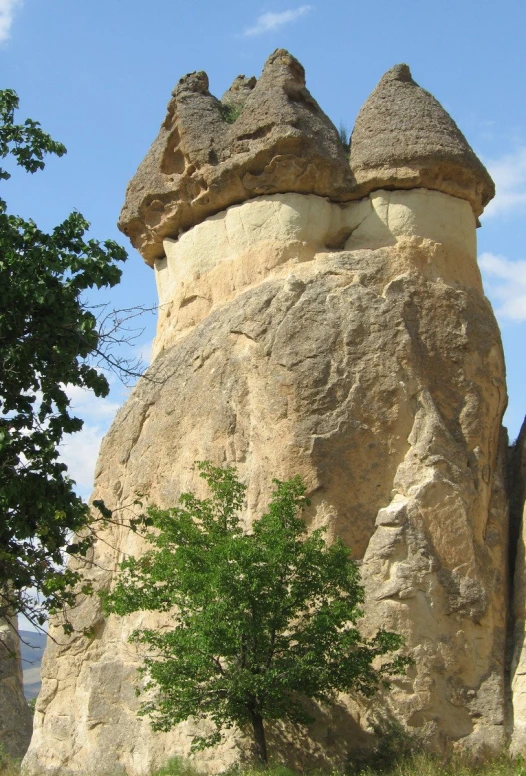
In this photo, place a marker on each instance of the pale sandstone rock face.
(15, 717)
(352, 345)
(518, 534)
(403, 138)
(231, 251)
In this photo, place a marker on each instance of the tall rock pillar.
(518, 645)
(15, 715)
(327, 319)
(435, 566)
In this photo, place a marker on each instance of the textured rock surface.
(404, 138)
(518, 535)
(15, 717)
(200, 164)
(238, 93)
(231, 251)
(354, 346)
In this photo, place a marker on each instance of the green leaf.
(47, 338)
(261, 621)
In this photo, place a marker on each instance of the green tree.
(261, 620)
(47, 337)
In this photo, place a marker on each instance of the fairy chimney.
(324, 317)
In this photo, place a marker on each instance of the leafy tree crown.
(260, 620)
(47, 336)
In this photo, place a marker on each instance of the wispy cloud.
(79, 451)
(509, 174)
(268, 22)
(505, 282)
(144, 352)
(7, 10)
(86, 404)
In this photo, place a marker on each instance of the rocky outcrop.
(403, 138)
(15, 717)
(238, 93)
(349, 342)
(518, 546)
(200, 163)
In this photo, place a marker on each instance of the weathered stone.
(403, 138)
(518, 560)
(16, 721)
(270, 136)
(200, 164)
(238, 93)
(352, 345)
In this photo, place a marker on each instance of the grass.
(179, 767)
(427, 765)
(8, 766)
(345, 138)
(230, 113)
(419, 764)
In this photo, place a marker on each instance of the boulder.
(517, 478)
(16, 720)
(309, 326)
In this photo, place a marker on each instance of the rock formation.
(15, 717)
(328, 320)
(518, 559)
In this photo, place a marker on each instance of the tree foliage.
(47, 336)
(261, 620)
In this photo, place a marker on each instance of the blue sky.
(98, 75)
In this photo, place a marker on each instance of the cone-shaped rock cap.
(403, 138)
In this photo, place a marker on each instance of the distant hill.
(32, 649)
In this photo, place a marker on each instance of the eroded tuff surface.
(518, 646)
(404, 138)
(15, 717)
(373, 368)
(232, 251)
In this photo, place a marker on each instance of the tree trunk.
(259, 737)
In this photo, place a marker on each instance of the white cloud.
(509, 174)
(7, 10)
(505, 282)
(144, 352)
(268, 22)
(79, 451)
(85, 403)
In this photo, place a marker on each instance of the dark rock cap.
(403, 138)
(209, 155)
(270, 136)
